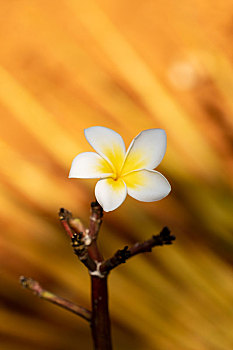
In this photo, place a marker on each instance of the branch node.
(64, 214)
(164, 237)
(97, 272)
(76, 240)
(80, 249)
(123, 254)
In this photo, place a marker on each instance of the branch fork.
(84, 243)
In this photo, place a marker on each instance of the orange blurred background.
(130, 66)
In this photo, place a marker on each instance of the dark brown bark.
(120, 257)
(100, 323)
(94, 227)
(84, 243)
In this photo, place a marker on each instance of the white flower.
(122, 172)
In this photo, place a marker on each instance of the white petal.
(146, 151)
(108, 143)
(110, 193)
(147, 185)
(89, 165)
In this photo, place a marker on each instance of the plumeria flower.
(122, 172)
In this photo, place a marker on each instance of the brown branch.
(81, 250)
(95, 219)
(120, 257)
(100, 323)
(84, 243)
(79, 237)
(36, 288)
(84, 240)
(94, 227)
(64, 216)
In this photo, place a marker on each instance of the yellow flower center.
(121, 166)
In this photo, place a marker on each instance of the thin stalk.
(36, 288)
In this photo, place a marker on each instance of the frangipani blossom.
(122, 172)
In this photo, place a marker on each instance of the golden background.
(127, 65)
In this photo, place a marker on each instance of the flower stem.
(100, 322)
